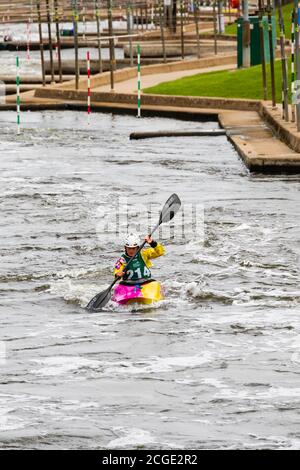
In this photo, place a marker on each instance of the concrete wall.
(131, 72)
(151, 100)
(285, 131)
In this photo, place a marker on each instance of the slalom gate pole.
(293, 63)
(139, 79)
(297, 61)
(18, 96)
(89, 85)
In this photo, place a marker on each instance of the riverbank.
(263, 140)
(235, 83)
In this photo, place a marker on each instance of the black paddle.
(169, 210)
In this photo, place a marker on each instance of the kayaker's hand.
(148, 239)
(120, 274)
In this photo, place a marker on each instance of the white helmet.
(132, 240)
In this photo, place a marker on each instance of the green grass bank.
(240, 83)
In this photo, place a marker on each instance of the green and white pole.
(18, 96)
(139, 79)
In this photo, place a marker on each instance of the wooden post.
(111, 44)
(215, 27)
(98, 21)
(38, 7)
(196, 18)
(50, 41)
(285, 105)
(84, 22)
(75, 27)
(129, 32)
(174, 16)
(297, 60)
(162, 34)
(270, 28)
(58, 40)
(181, 29)
(262, 50)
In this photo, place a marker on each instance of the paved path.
(130, 86)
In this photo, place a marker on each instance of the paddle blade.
(99, 301)
(170, 208)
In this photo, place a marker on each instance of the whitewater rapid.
(216, 364)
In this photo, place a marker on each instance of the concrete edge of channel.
(184, 107)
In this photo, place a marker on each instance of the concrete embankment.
(256, 142)
(174, 49)
(68, 66)
(33, 79)
(129, 73)
(35, 45)
(264, 142)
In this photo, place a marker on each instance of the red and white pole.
(88, 83)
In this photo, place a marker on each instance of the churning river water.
(215, 365)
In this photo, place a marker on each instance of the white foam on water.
(132, 437)
(279, 442)
(187, 382)
(159, 364)
(73, 292)
(272, 393)
(7, 423)
(238, 228)
(60, 365)
(214, 383)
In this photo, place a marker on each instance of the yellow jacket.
(147, 254)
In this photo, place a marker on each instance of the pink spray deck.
(123, 294)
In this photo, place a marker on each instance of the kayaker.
(139, 268)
